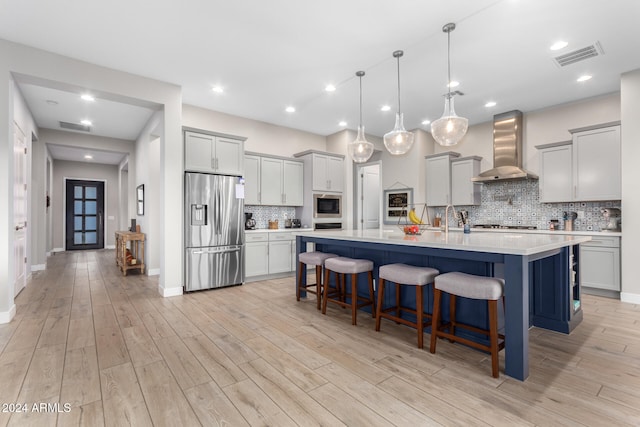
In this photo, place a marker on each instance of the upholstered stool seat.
(316, 259)
(465, 285)
(405, 275)
(343, 266)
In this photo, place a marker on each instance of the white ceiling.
(271, 54)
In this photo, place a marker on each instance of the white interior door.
(369, 197)
(20, 208)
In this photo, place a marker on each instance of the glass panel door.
(85, 207)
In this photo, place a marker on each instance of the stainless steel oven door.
(327, 206)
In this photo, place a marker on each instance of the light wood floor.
(119, 354)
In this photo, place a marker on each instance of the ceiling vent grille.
(75, 126)
(578, 55)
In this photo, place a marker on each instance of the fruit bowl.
(414, 223)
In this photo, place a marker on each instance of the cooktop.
(507, 227)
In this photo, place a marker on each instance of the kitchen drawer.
(256, 237)
(275, 237)
(603, 241)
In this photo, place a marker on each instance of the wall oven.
(327, 206)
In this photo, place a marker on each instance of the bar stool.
(316, 259)
(343, 266)
(475, 287)
(405, 275)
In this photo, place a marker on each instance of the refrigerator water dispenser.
(198, 214)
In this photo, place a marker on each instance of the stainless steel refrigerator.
(214, 231)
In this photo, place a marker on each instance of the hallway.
(109, 350)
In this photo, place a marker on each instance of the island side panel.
(516, 324)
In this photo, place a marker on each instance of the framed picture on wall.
(395, 204)
(140, 196)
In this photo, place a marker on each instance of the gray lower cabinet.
(600, 263)
(269, 253)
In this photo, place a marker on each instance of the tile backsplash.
(517, 203)
(262, 214)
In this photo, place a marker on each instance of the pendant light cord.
(449, 62)
(360, 101)
(399, 84)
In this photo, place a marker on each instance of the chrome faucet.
(446, 217)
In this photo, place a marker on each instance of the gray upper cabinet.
(213, 154)
(438, 175)
(587, 168)
(464, 192)
(273, 181)
(556, 172)
(328, 173)
(597, 163)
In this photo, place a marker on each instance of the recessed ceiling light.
(342, 123)
(87, 97)
(290, 109)
(385, 108)
(330, 88)
(426, 122)
(454, 83)
(490, 104)
(559, 45)
(584, 78)
(88, 156)
(86, 122)
(217, 89)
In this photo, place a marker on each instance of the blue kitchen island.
(542, 284)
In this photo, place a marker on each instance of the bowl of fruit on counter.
(416, 220)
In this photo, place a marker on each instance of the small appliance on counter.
(614, 218)
(287, 223)
(295, 223)
(249, 222)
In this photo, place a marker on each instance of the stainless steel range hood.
(507, 149)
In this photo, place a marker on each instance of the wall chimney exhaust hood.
(507, 150)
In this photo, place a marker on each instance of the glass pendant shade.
(360, 150)
(449, 129)
(398, 141)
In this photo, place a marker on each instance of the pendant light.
(360, 150)
(449, 129)
(398, 141)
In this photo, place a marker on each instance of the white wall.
(147, 172)
(261, 137)
(630, 109)
(84, 170)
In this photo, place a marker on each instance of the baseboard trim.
(630, 298)
(169, 292)
(54, 250)
(110, 246)
(7, 316)
(39, 267)
(153, 272)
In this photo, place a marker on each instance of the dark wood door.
(85, 215)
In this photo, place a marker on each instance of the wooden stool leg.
(325, 290)
(354, 298)
(380, 298)
(299, 281)
(452, 314)
(419, 325)
(435, 319)
(493, 337)
(397, 301)
(371, 295)
(318, 286)
(343, 288)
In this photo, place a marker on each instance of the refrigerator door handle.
(217, 251)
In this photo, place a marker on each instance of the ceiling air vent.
(579, 55)
(75, 126)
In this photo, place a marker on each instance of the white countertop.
(514, 243)
(278, 230)
(540, 231)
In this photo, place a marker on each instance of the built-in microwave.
(327, 206)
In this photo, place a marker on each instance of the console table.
(137, 251)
